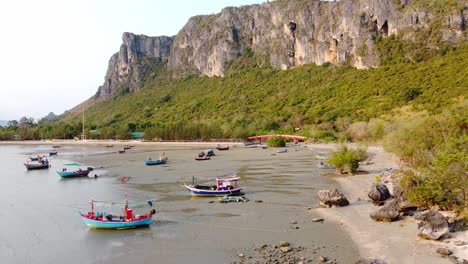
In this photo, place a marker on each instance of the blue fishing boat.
(225, 185)
(77, 173)
(108, 221)
(162, 160)
(37, 166)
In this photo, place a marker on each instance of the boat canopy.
(228, 179)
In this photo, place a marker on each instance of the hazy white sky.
(54, 53)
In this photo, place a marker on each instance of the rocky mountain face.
(286, 32)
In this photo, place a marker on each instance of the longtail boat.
(221, 148)
(202, 158)
(225, 185)
(76, 173)
(162, 160)
(37, 166)
(104, 220)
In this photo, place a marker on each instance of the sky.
(54, 53)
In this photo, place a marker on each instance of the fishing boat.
(221, 148)
(56, 146)
(225, 185)
(105, 220)
(210, 152)
(53, 153)
(126, 147)
(42, 164)
(162, 160)
(202, 158)
(76, 173)
(121, 151)
(323, 165)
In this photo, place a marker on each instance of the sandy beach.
(395, 242)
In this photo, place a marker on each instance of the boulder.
(378, 192)
(332, 198)
(388, 213)
(433, 224)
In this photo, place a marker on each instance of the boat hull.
(155, 162)
(207, 193)
(98, 224)
(36, 166)
(65, 174)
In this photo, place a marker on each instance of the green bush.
(326, 135)
(276, 142)
(347, 158)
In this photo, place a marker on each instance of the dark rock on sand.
(388, 213)
(371, 261)
(332, 198)
(378, 192)
(433, 224)
(443, 252)
(457, 224)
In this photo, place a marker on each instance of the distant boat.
(221, 148)
(203, 158)
(162, 160)
(225, 185)
(121, 151)
(210, 152)
(76, 173)
(108, 221)
(53, 153)
(43, 164)
(126, 147)
(55, 146)
(282, 151)
(109, 146)
(323, 165)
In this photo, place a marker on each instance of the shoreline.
(97, 142)
(395, 242)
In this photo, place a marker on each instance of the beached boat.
(282, 151)
(210, 152)
(126, 147)
(55, 146)
(323, 165)
(225, 185)
(202, 158)
(109, 146)
(221, 148)
(53, 153)
(162, 160)
(75, 173)
(108, 221)
(121, 151)
(44, 164)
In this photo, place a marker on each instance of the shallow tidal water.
(40, 221)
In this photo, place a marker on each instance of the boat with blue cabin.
(162, 160)
(225, 185)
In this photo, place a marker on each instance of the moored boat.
(42, 164)
(225, 185)
(121, 151)
(221, 148)
(202, 158)
(77, 173)
(53, 153)
(162, 160)
(56, 146)
(108, 221)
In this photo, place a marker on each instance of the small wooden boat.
(323, 165)
(121, 151)
(55, 146)
(109, 146)
(221, 148)
(37, 166)
(126, 147)
(202, 158)
(225, 185)
(76, 173)
(108, 221)
(53, 153)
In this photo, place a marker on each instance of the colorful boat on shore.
(109, 221)
(225, 185)
(37, 166)
(77, 173)
(162, 160)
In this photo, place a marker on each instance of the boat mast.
(83, 135)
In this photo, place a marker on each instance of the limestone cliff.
(288, 33)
